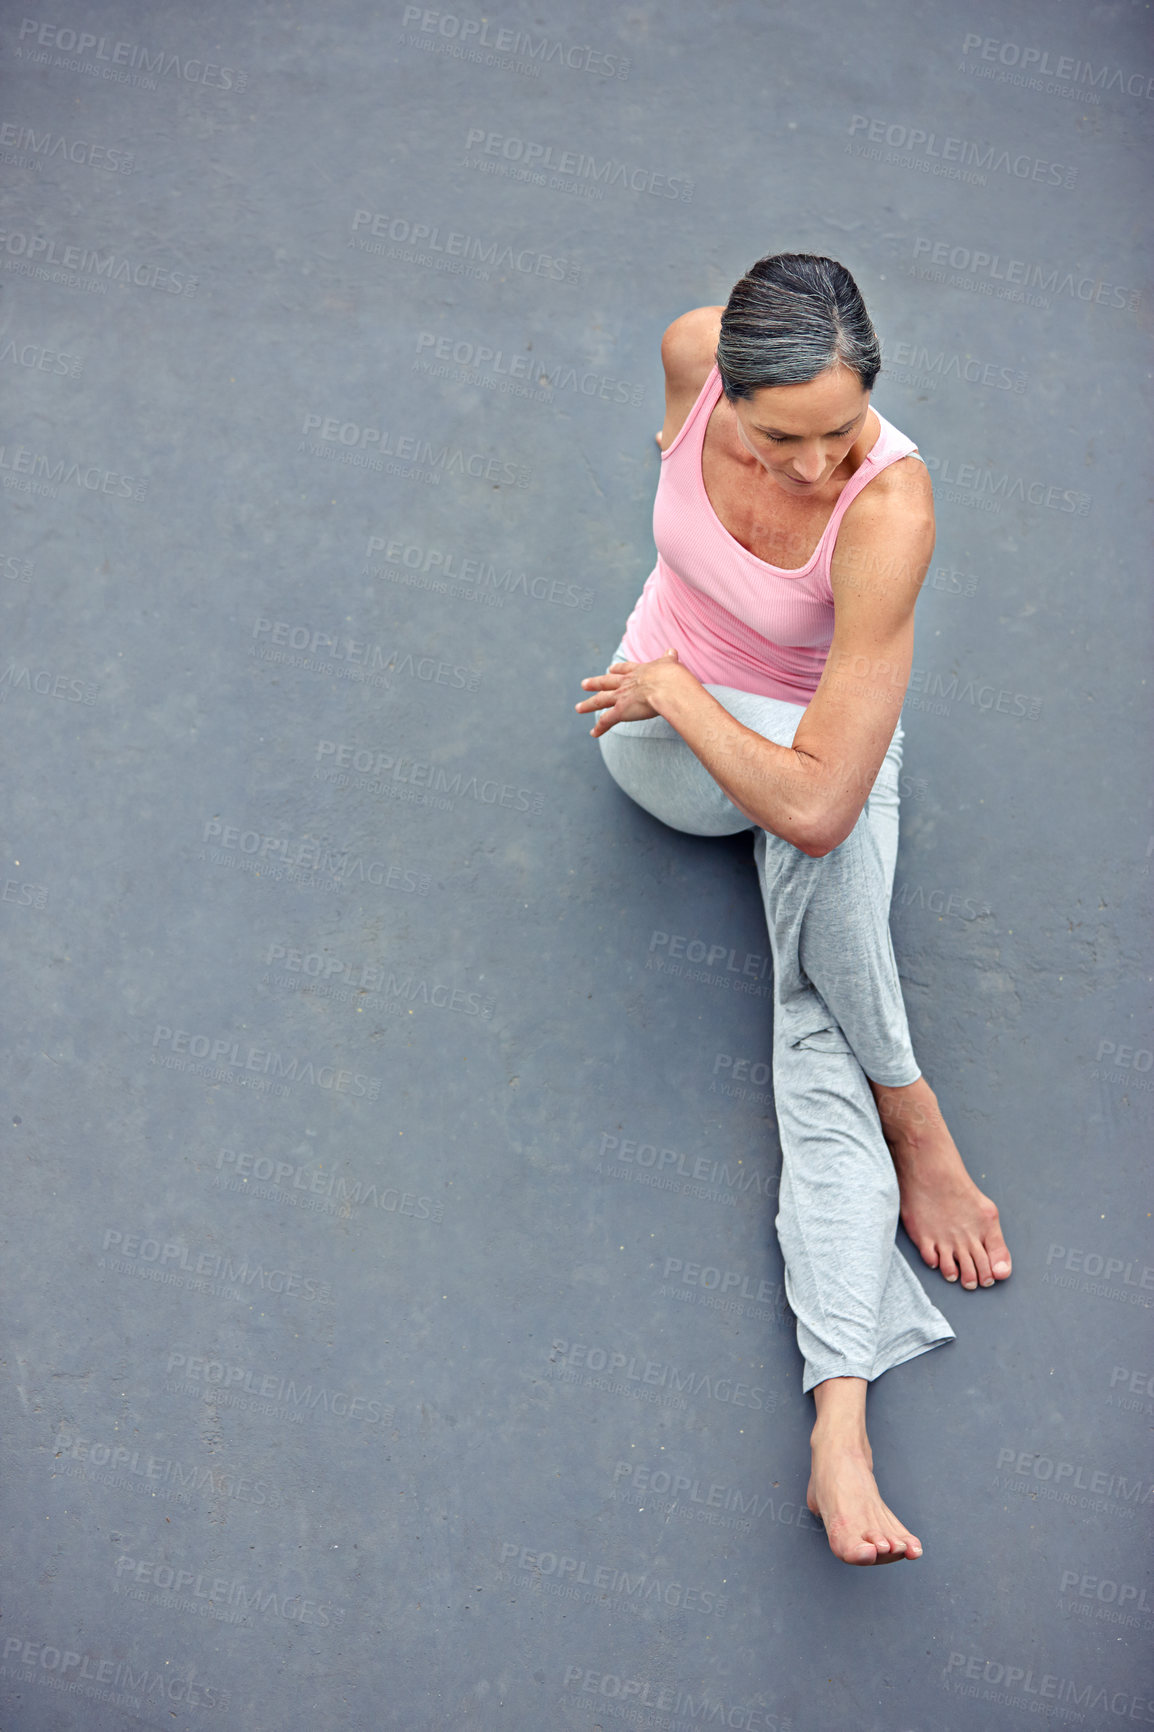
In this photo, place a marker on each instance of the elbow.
(820, 835)
(806, 838)
(818, 822)
(816, 846)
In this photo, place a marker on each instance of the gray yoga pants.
(838, 1020)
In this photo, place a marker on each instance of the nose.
(808, 465)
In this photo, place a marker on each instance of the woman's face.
(800, 433)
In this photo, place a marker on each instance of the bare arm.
(812, 793)
(688, 348)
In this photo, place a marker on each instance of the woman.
(759, 686)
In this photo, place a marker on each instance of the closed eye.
(786, 438)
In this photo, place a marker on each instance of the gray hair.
(791, 317)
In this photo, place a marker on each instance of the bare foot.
(953, 1224)
(860, 1527)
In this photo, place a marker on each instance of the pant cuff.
(904, 1348)
(896, 1079)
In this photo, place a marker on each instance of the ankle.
(840, 1419)
(841, 1436)
(909, 1116)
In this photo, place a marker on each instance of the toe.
(947, 1263)
(1000, 1260)
(981, 1264)
(929, 1253)
(968, 1272)
(994, 1242)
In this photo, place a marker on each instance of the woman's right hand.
(626, 692)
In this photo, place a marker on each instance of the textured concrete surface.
(395, 1333)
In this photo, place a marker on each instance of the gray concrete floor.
(357, 1146)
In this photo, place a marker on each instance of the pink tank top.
(733, 619)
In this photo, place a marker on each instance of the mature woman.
(759, 686)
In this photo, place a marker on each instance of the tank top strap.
(890, 446)
(693, 427)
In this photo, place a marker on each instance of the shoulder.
(901, 492)
(689, 346)
(688, 351)
(886, 539)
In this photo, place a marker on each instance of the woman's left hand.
(627, 691)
